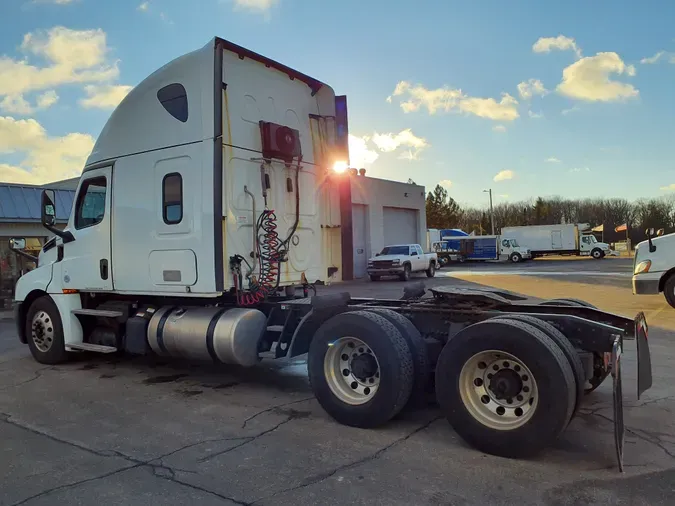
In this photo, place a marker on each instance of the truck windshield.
(395, 250)
(514, 243)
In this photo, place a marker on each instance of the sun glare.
(340, 166)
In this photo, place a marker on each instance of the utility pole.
(492, 213)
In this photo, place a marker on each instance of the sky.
(527, 98)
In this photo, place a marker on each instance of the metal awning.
(21, 204)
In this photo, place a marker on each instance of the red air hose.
(269, 258)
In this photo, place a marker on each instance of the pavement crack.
(243, 426)
(350, 465)
(37, 375)
(197, 443)
(249, 439)
(7, 418)
(644, 436)
(172, 478)
(74, 484)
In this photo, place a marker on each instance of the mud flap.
(644, 359)
(618, 401)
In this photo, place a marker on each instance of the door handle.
(103, 266)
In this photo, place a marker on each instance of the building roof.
(22, 203)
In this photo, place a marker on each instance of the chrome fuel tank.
(230, 336)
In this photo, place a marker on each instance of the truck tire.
(597, 253)
(373, 277)
(516, 258)
(418, 349)
(44, 332)
(489, 363)
(361, 369)
(405, 276)
(431, 271)
(564, 344)
(669, 290)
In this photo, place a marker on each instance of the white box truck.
(207, 198)
(572, 239)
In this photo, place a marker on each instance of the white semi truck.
(571, 239)
(210, 195)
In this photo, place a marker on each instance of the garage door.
(400, 226)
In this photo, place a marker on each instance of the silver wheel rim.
(498, 390)
(42, 331)
(351, 370)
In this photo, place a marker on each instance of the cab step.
(105, 313)
(98, 348)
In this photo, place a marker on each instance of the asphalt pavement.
(138, 431)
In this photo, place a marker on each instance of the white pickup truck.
(402, 260)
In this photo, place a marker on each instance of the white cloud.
(580, 169)
(449, 100)
(72, 56)
(535, 115)
(44, 158)
(499, 128)
(17, 104)
(572, 109)
(104, 96)
(262, 6)
(528, 89)
(561, 43)
(359, 154)
(446, 183)
(553, 159)
(143, 7)
(669, 188)
(653, 59)
(661, 55)
(589, 79)
(389, 142)
(47, 99)
(504, 175)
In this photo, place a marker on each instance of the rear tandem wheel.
(360, 368)
(505, 387)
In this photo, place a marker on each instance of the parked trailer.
(572, 239)
(492, 247)
(203, 269)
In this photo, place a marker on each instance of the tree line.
(444, 212)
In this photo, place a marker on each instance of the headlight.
(395, 262)
(642, 267)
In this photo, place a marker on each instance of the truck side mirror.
(48, 211)
(17, 244)
(650, 233)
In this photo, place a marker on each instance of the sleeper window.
(91, 202)
(172, 198)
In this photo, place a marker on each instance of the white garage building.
(383, 212)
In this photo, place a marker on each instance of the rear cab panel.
(255, 91)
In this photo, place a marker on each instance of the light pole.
(492, 214)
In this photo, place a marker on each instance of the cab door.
(86, 263)
(585, 244)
